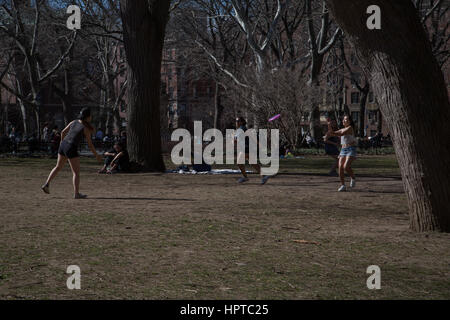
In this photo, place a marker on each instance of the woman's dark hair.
(84, 114)
(334, 125)
(120, 144)
(352, 123)
(242, 120)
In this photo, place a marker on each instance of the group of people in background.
(11, 141)
(14, 141)
(102, 137)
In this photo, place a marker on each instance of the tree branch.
(61, 59)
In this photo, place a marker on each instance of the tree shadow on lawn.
(379, 191)
(137, 198)
(378, 176)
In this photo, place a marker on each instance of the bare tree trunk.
(108, 123)
(38, 122)
(218, 108)
(362, 109)
(66, 97)
(101, 123)
(65, 109)
(117, 123)
(319, 46)
(23, 110)
(6, 119)
(67, 101)
(413, 96)
(110, 97)
(144, 24)
(4, 113)
(314, 115)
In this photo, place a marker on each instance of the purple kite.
(275, 117)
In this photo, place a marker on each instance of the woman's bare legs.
(341, 169)
(75, 165)
(348, 166)
(59, 165)
(243, 157)
(242, 168)
(241, 163)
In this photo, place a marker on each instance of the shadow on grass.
(381, 191)
(137, 198)
(378, 176)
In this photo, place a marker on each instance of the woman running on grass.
(68, 150)
(348, 151)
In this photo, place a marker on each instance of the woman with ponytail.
(68, 150)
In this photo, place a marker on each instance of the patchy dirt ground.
(170, 236)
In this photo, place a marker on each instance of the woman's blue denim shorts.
(348, 152)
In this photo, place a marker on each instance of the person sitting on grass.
(117, 159)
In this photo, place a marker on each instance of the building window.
(355, 117)
(355, 98)
(373, 115)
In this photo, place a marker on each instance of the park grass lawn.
(170, 236)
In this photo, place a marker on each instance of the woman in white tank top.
(348, 152)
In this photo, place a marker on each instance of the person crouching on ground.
(117, 159)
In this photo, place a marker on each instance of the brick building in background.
(185, 97)
(190, 97)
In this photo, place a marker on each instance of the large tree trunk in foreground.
(411, 90)
(144, 24)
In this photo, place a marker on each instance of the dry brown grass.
(171, 236)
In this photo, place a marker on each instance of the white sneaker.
(243, 179)
(342, 188)
(352, 183)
